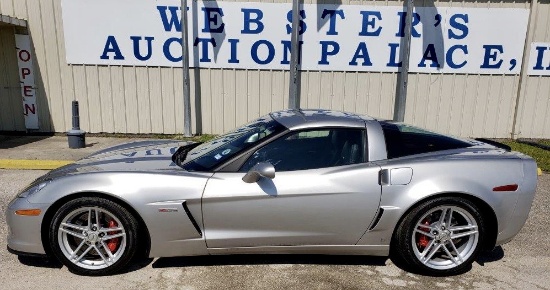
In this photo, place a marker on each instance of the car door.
(324, 193)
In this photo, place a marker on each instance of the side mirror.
(255, 137)
(262, 169)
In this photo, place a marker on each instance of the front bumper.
(24, 232)
(32, 255)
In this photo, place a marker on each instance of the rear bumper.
(526, 195)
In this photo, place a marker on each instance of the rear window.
(404, 140)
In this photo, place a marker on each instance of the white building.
(478, 69)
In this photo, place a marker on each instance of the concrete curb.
(32, 164)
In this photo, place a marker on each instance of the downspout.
(524, 64)
(405, 52)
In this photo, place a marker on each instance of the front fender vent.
(191, 218)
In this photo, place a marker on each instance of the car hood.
(152, 155)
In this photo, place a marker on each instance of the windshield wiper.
(181, 153)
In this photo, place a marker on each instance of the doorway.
(11, 105)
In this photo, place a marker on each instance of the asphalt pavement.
(524, 263)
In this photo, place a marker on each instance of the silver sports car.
(295, 181)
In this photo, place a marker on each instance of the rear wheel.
(93, 236)
(441, 236)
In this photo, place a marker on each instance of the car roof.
(310, 118)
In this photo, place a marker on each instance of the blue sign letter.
(369, 21)
(393, 55)
(174, 22)
(449, 56)
(415, 21)
(460, 26)
(233, 58)
(211, 17)
(363, 53)
(270, 52)
(205, 41)
(137, 54)
(166, 49)
(286, 53)
(540, 55)
(256, 20)
(491, 53)
(303, 25)
(332, 19)
(111, 46)
(429, 54)
(325, 52)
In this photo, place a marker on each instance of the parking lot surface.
(52, 147)
(524, 263)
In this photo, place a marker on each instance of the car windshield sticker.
(226, 151)
(217, 156)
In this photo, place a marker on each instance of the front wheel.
(93, 236)
(441, 236)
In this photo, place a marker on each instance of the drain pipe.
(403, 79)
(77, 137)
(531, 26)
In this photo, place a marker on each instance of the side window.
(404, 140)
(312, 149)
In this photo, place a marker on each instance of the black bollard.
(77, 137)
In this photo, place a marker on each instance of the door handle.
(384, 177)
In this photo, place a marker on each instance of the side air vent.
(191, 218)
(378, 217)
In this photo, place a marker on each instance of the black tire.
(410, 246)
(80, 238)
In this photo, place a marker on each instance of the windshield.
(208, 155)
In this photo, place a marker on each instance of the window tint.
(312, 149)
(404, 140)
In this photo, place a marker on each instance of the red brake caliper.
(112, 244)
(422, 241)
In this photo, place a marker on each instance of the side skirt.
(371, 250)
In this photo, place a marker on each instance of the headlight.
(33, 189)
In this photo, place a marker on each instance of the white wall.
(149, 99)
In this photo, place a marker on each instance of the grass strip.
(540, 155)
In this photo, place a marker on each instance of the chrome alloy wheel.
(91, 238)
(445, 237)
